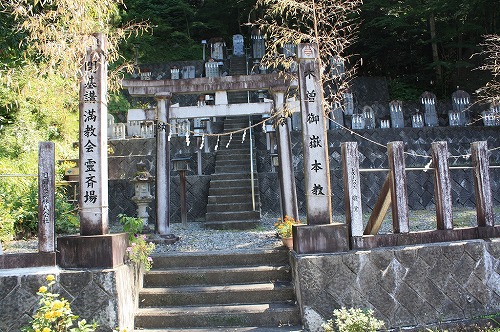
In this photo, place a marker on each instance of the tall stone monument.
(94, 247)
(319, 235)
(316, 165)
(93, 201)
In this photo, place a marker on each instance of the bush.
(54, 314)
(353, 320)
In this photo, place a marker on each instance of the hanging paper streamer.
(169, 136)
(188, 141)
(229, 142)
(217, 144)
(244, 135)
(264, 127)
(202, 141)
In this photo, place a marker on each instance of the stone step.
(270, 292)
(286, 328)
(232, 176)
(234, 150)
(215, 275)
(230, 207)
(236, 215)
(268, 314)
(232, 168)
(231, 183)
(222, 258)
(237, 155)
(232, 224)
(238, 160)
(241, 198)
(227, 191)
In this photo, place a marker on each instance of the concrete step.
(216, 275)
(268, 314)
(236, 215)
(226, 258)
(270, 292)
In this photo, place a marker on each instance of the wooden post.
(442, 186)
(482, 185)
(399, 195)
(46, 197)
(380, 209)
(352, 188)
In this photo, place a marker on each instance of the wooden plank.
(482, 184)
(380, 209)
(399, 195)
(352, 188)
(442, 186)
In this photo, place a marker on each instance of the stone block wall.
(409, 286)
(108, 297)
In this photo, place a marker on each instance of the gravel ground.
(195, 237)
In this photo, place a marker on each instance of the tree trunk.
(435, 55)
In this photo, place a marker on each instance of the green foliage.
(353, 320)
(19, 201)
(131, 225)
(139, 250)
(401, 90)
(55, 315)
(395, 41)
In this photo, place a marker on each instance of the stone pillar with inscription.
(319, 235)
(94, 247)
(46, 196)
(93, 141)
(316, 165)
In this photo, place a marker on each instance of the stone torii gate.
(163, 91)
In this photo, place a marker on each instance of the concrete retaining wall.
(405, 286)
(108, 297)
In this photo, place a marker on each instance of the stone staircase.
(237, 66)
(230, 194)
(227, 291)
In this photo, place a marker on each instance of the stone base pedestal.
(314, 239)
(163, 239)
(24, 260)
(96, 251)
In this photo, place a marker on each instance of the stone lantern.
(142, 185)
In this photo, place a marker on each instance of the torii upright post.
(163, 168)
(320, 235)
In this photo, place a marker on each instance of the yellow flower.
(46, 329)
(42, 289)
(49, 314)
(57, 305)
(50, 277)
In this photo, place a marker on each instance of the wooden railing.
(393, 194)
